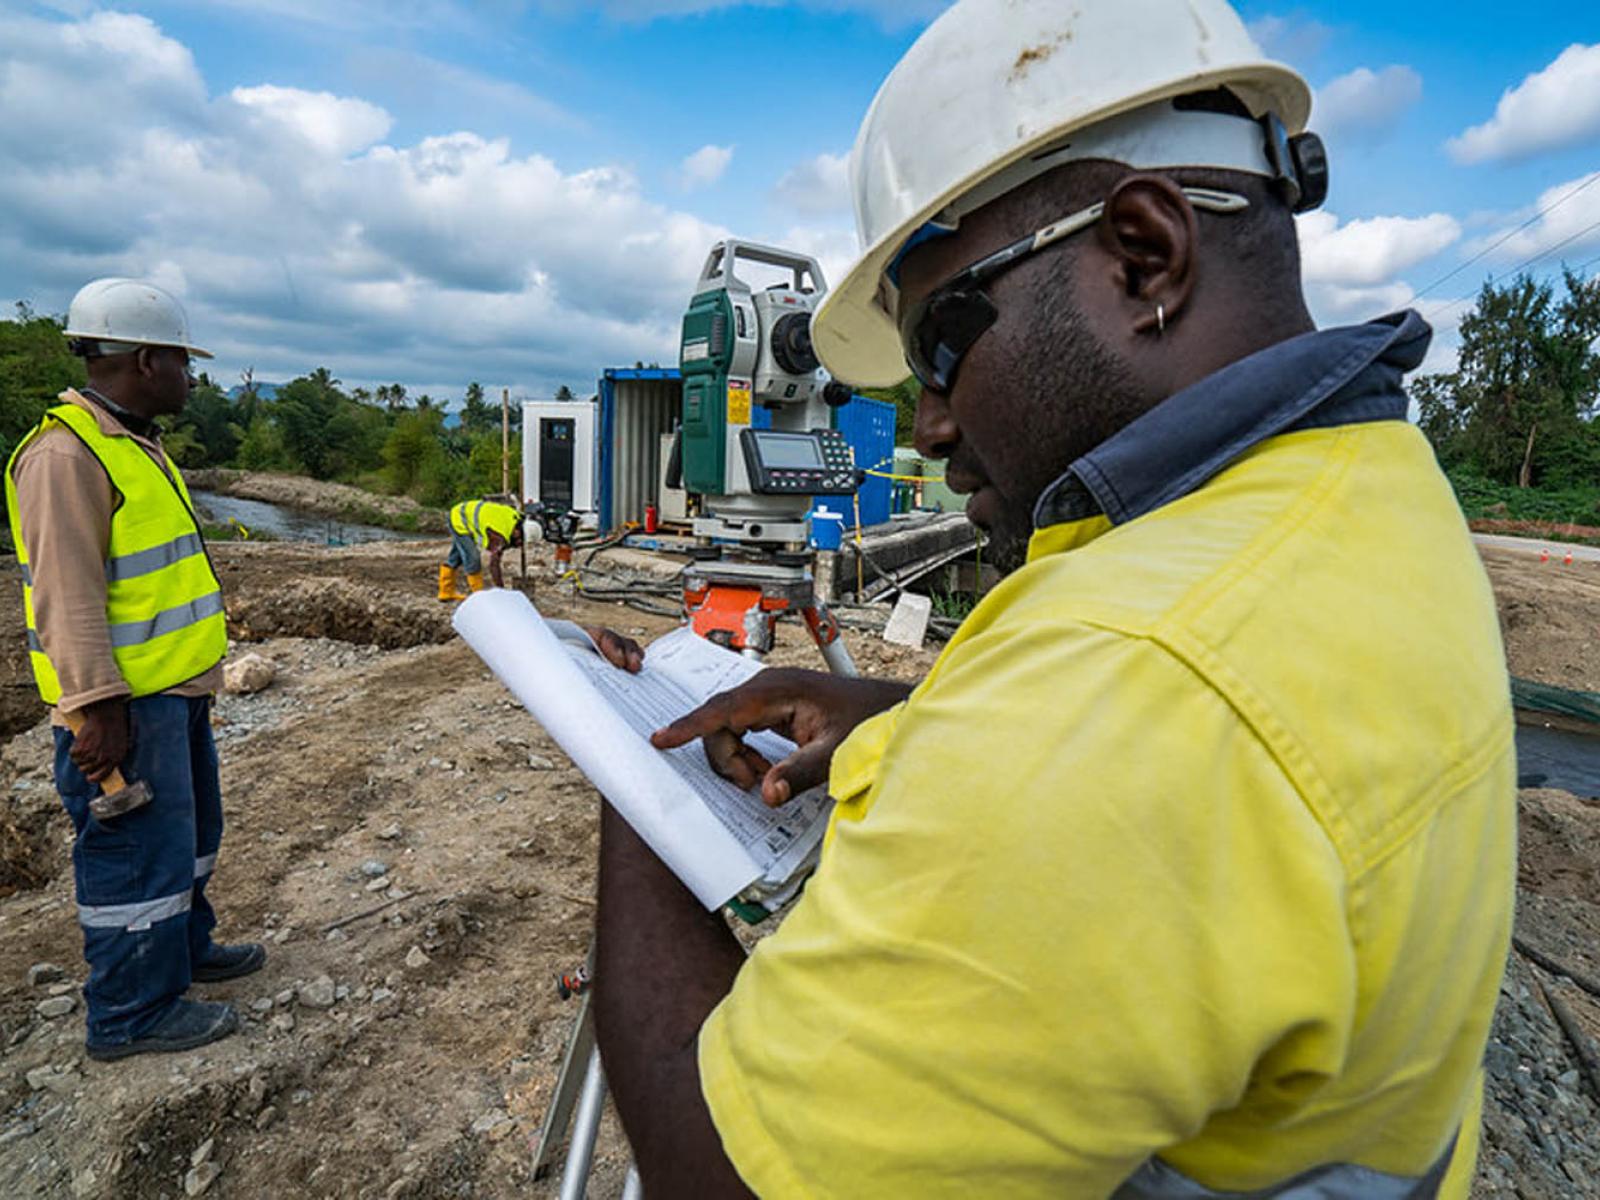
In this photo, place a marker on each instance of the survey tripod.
(737, 603)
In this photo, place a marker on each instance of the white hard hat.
(117, 316)
(993, 86)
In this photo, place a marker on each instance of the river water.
(290, 524)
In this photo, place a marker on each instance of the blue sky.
(519, 191)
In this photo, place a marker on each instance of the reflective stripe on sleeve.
(205, 865)
(144, 562)
(134, 917)
(135, 633)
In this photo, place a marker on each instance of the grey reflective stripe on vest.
(205, 865)
(34, 643)
(137, 916)
(476, 521)
(143, 562)
(27, 575)
(169, 620)
(1335, 1181)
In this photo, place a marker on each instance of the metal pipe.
(585, 1128)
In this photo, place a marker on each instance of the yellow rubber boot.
(447, 585)
(475, 582)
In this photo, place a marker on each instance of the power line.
(1543, 212)
(1522, 266)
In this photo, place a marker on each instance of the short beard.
(1072, 402)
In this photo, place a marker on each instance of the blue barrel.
(827, 529)
(868, 425)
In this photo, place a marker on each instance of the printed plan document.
(721, 841)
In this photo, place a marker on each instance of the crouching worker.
(126, 635)
(476, 526)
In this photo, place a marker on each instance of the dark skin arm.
(674, 962)
(100, 746)
(497, 547)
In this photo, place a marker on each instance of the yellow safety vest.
(480, 518)
(163, 600)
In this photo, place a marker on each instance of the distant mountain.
(267, 391)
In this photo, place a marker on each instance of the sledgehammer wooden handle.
(116, 796)
(113, 782)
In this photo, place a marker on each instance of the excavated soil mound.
(343, 611)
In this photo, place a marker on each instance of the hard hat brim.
(854, 336)
(194, 351)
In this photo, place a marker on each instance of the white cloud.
(298, 236)
(1549, 110)
(705, 166)
(1366, 101)
(818, 186)
(333, 125)
(1569, 228)
(1371, 252)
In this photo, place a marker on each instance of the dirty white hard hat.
(117, 316)
(987, 98)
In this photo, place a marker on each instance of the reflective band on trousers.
(1335, 1181)
(134, 917)
(134, 633)
(143, 562)
(204, 866)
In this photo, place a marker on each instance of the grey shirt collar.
(1330, 377)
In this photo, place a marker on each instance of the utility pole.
(505, 442)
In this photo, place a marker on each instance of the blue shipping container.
(868, 425)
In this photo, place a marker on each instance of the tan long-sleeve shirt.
(64, 504)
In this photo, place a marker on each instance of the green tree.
(1520, 407)
(565, 393)
(477, 415)
(208, 431)
(35, 367)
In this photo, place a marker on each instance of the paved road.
(1557, 550)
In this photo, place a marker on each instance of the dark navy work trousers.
(141, 876)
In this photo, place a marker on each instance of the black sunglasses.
(939, 329)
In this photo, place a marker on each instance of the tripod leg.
(633, 1189)
(580, 1054)
(825, 632)
(585, 1128)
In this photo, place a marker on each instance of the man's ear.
(1150, 230)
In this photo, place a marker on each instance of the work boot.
(229, 962)
(191, 1023)
(447, 585)
(475, 582)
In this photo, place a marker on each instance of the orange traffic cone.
(1568, 559)
(1544, 556)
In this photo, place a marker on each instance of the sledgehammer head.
(118, 796)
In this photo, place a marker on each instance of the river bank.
(339, 501)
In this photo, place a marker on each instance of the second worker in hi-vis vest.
(126, 634)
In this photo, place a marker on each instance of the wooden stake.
(505, 441)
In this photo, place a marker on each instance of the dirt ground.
(419, 857)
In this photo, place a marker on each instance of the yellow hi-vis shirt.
(1197, 843)
(480, 518)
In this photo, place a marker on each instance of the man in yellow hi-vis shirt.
(127, 633)
(1188, 870)
(477, 526)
